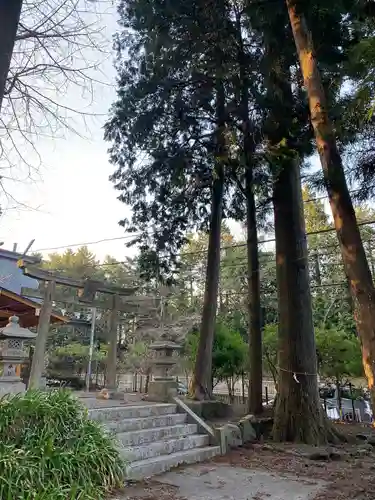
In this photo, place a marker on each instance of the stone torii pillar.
(111, 379)
(38, 363)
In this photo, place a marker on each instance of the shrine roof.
(12, 304)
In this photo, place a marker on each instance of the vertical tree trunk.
(351, 245)
(253, 277)
(318, 276)
(10, 11)
(298, 413)
(254, 308)
(202, 378)
(148, 375)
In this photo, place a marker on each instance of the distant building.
(11, 277)
(12, 280)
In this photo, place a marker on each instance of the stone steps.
(137, 424)
(165, 447)
(157, 465)
(136, 411)
(136, 438)
(154, 438)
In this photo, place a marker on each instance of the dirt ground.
(349, 469)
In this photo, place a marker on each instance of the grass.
(51, 450)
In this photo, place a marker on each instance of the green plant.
(270, 348)
(339, 354)
(51, 450)
(228, 354)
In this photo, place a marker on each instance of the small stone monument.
(12, 355)
(164, 385)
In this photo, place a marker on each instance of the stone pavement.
(222, 482)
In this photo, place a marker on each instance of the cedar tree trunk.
(254, 308)
(298, 414)
(253, 277)
(352, 250)
(202, 378)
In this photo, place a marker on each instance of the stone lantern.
(164, 385)
(12, 355)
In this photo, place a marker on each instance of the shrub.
(51, 450)
(228, 353)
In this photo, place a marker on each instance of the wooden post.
(112, 348)
(37, 365)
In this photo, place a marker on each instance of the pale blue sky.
(73, 200)
(76, 202)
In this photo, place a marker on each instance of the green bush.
(51, 450)
(229, 351)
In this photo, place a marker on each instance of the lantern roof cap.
(14, 330)
(165, 344)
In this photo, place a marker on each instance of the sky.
(71, 200)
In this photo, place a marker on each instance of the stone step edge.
(151, 429)
(131, 407)
(173, 460)
(124, 450)
(116, 413)
(147, 419)
(175, 427)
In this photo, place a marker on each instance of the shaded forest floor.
(348, 469)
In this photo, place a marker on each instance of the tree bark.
(298, 414)
(350, 241)
(202, 378)
(254, 307)
(255, 405)
(10, 11)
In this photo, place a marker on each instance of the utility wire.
(238, 245)
(130, 236)
(83, 244)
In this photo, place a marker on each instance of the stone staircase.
(155, 438)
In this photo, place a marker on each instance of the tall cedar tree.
(298, 414)
(288, 137)
(250, 140)
(352, 250)
(162, 127)
(172, 107)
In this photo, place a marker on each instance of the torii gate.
(87, 290)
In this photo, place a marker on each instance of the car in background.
(350, 399)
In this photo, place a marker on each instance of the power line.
(270, 240)
(226, 247)
(104, 240)
(271, 295)
(83, 244)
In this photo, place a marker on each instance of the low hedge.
(51, 450)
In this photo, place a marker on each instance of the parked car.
(349, 398)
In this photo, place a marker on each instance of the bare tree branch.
(60, 47)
